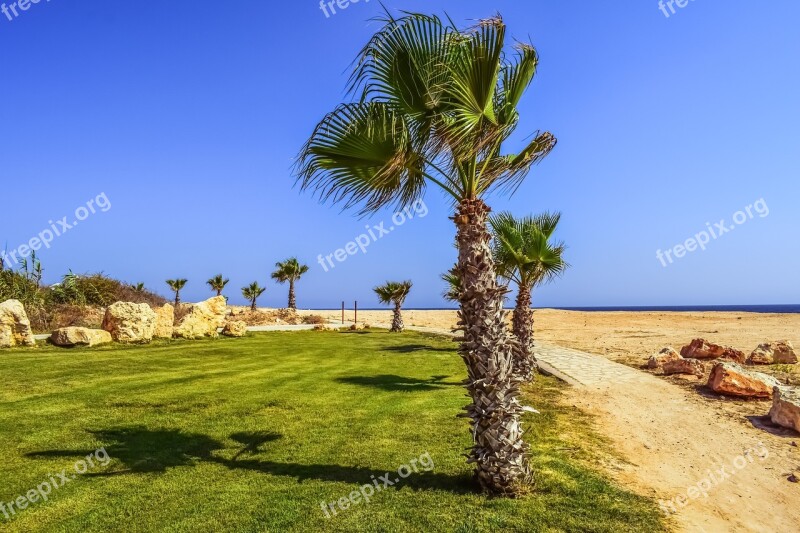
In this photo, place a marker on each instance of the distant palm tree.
(434, 104)
(290, 270)
(453, 285)
(217, 283)
(525, 254)
(394, 292)
(252, 292)
(176, 285)
(139, 287)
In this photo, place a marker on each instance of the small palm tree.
(394, 292)
(139, 287)
(176, 285)
(252, 292)
(434, 104)
(217, 283)
(453, 290)
(525, 254)
(290, 271)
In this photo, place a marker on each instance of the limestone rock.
(702, 349)
(74, 336)
(130, 323)
(15, 328)
(773, 353)
(236, 328)
(664, 356)
(691, 367)
(165, 321)
(203, 319)
(786, 407)
(733, 380)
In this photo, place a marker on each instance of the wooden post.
(356, 308)
(342, 312)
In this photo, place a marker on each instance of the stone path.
(572, 366)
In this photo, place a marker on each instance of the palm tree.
(176, 285)
(453, 290)
(433, 104)
(217, 283)
(252, 292)
(525, 254)
(394, 292)
(290, 270)
(139, 287)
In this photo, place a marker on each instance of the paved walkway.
(572, 366)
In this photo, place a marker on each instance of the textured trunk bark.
(397, 321)
(292, 299)
(499, 453)
(525, 365)
(253, 306)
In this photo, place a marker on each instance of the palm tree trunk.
(397, 321)
(499, 452)
(525, 365)
(177, 298)
(292, 298)
(253, 305)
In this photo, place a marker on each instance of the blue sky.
(188, 114)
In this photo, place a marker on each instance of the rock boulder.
(691, 367)
(733, 380)
(73, 336)
(702, 349)
(15, 328)
(773, 353)
(235, 328)
(203, 319)
(661, 358)
(130, 323)
(786, 408)
(165, 321)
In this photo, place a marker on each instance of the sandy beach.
(625, 337)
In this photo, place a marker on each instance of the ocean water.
(784, 308)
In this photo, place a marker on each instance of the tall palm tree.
(290, 270)
(217, 283)
(434, 105)
(525, 253)
(252, 292)
(394, 292)
(176, 285)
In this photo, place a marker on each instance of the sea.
(780, 308)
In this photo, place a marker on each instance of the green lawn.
(254, 434)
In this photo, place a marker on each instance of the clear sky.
(187, 115)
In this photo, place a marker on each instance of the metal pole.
(342, 312)
(356, 320)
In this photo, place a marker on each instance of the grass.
(254, 434)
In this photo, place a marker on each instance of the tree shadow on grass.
(393, 383)
(411, 348)
(141, 450)
(356, 474)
